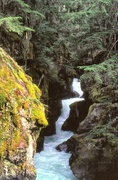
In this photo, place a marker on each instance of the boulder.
(21, 119)
(95, 155)
(78, 112)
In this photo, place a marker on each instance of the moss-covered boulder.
(21, 119)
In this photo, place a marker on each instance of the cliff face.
(21, 119)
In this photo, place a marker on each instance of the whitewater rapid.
(51, 164)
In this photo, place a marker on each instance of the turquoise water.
(51, 164)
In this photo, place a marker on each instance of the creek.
(51, 164)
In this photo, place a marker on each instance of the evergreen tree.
(19, 16)
(17, 22)
(66, 31)
(90, 26)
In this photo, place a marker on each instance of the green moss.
(22, 100)
(31, 90)
(16, 120)
(101, 79)
(104, 131)
(4, 134)
(16, 139)
(2, 148)
(37, 114)
(95, 92)
(22, 76)
(2, 99)
(104, 99)
(37, 91)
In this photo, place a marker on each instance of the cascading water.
(51, 164)
(76, 87)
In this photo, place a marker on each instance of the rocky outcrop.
(21, 120)
(95, 155)
(78, 112)
(101, 81)
(94, 147)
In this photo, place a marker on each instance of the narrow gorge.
(45, 47)
(54, 165)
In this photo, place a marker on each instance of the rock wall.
(78, 112)
(22, 117)
(95, 155)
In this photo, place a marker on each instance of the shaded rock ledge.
(21, 119)
(78, 112)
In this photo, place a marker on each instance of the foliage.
(21, 3)
(19, 17)
(91, 26)
(26, 8)
(46, 36)
(52, 51)
(65, 31)
(102, 79)
(13, 24)
(108, 67)
(73, 30)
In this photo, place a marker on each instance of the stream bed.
(52, 164)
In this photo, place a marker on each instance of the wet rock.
(78, 112)
(67, 146)
(95, 155)
(40, 144)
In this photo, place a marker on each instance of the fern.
(108, 64)
(88, 68)
(98, 72)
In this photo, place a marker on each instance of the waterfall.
(51, 164)
(76, 87)
(65, 111)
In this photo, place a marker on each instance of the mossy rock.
(101, 80)
(20, 112)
